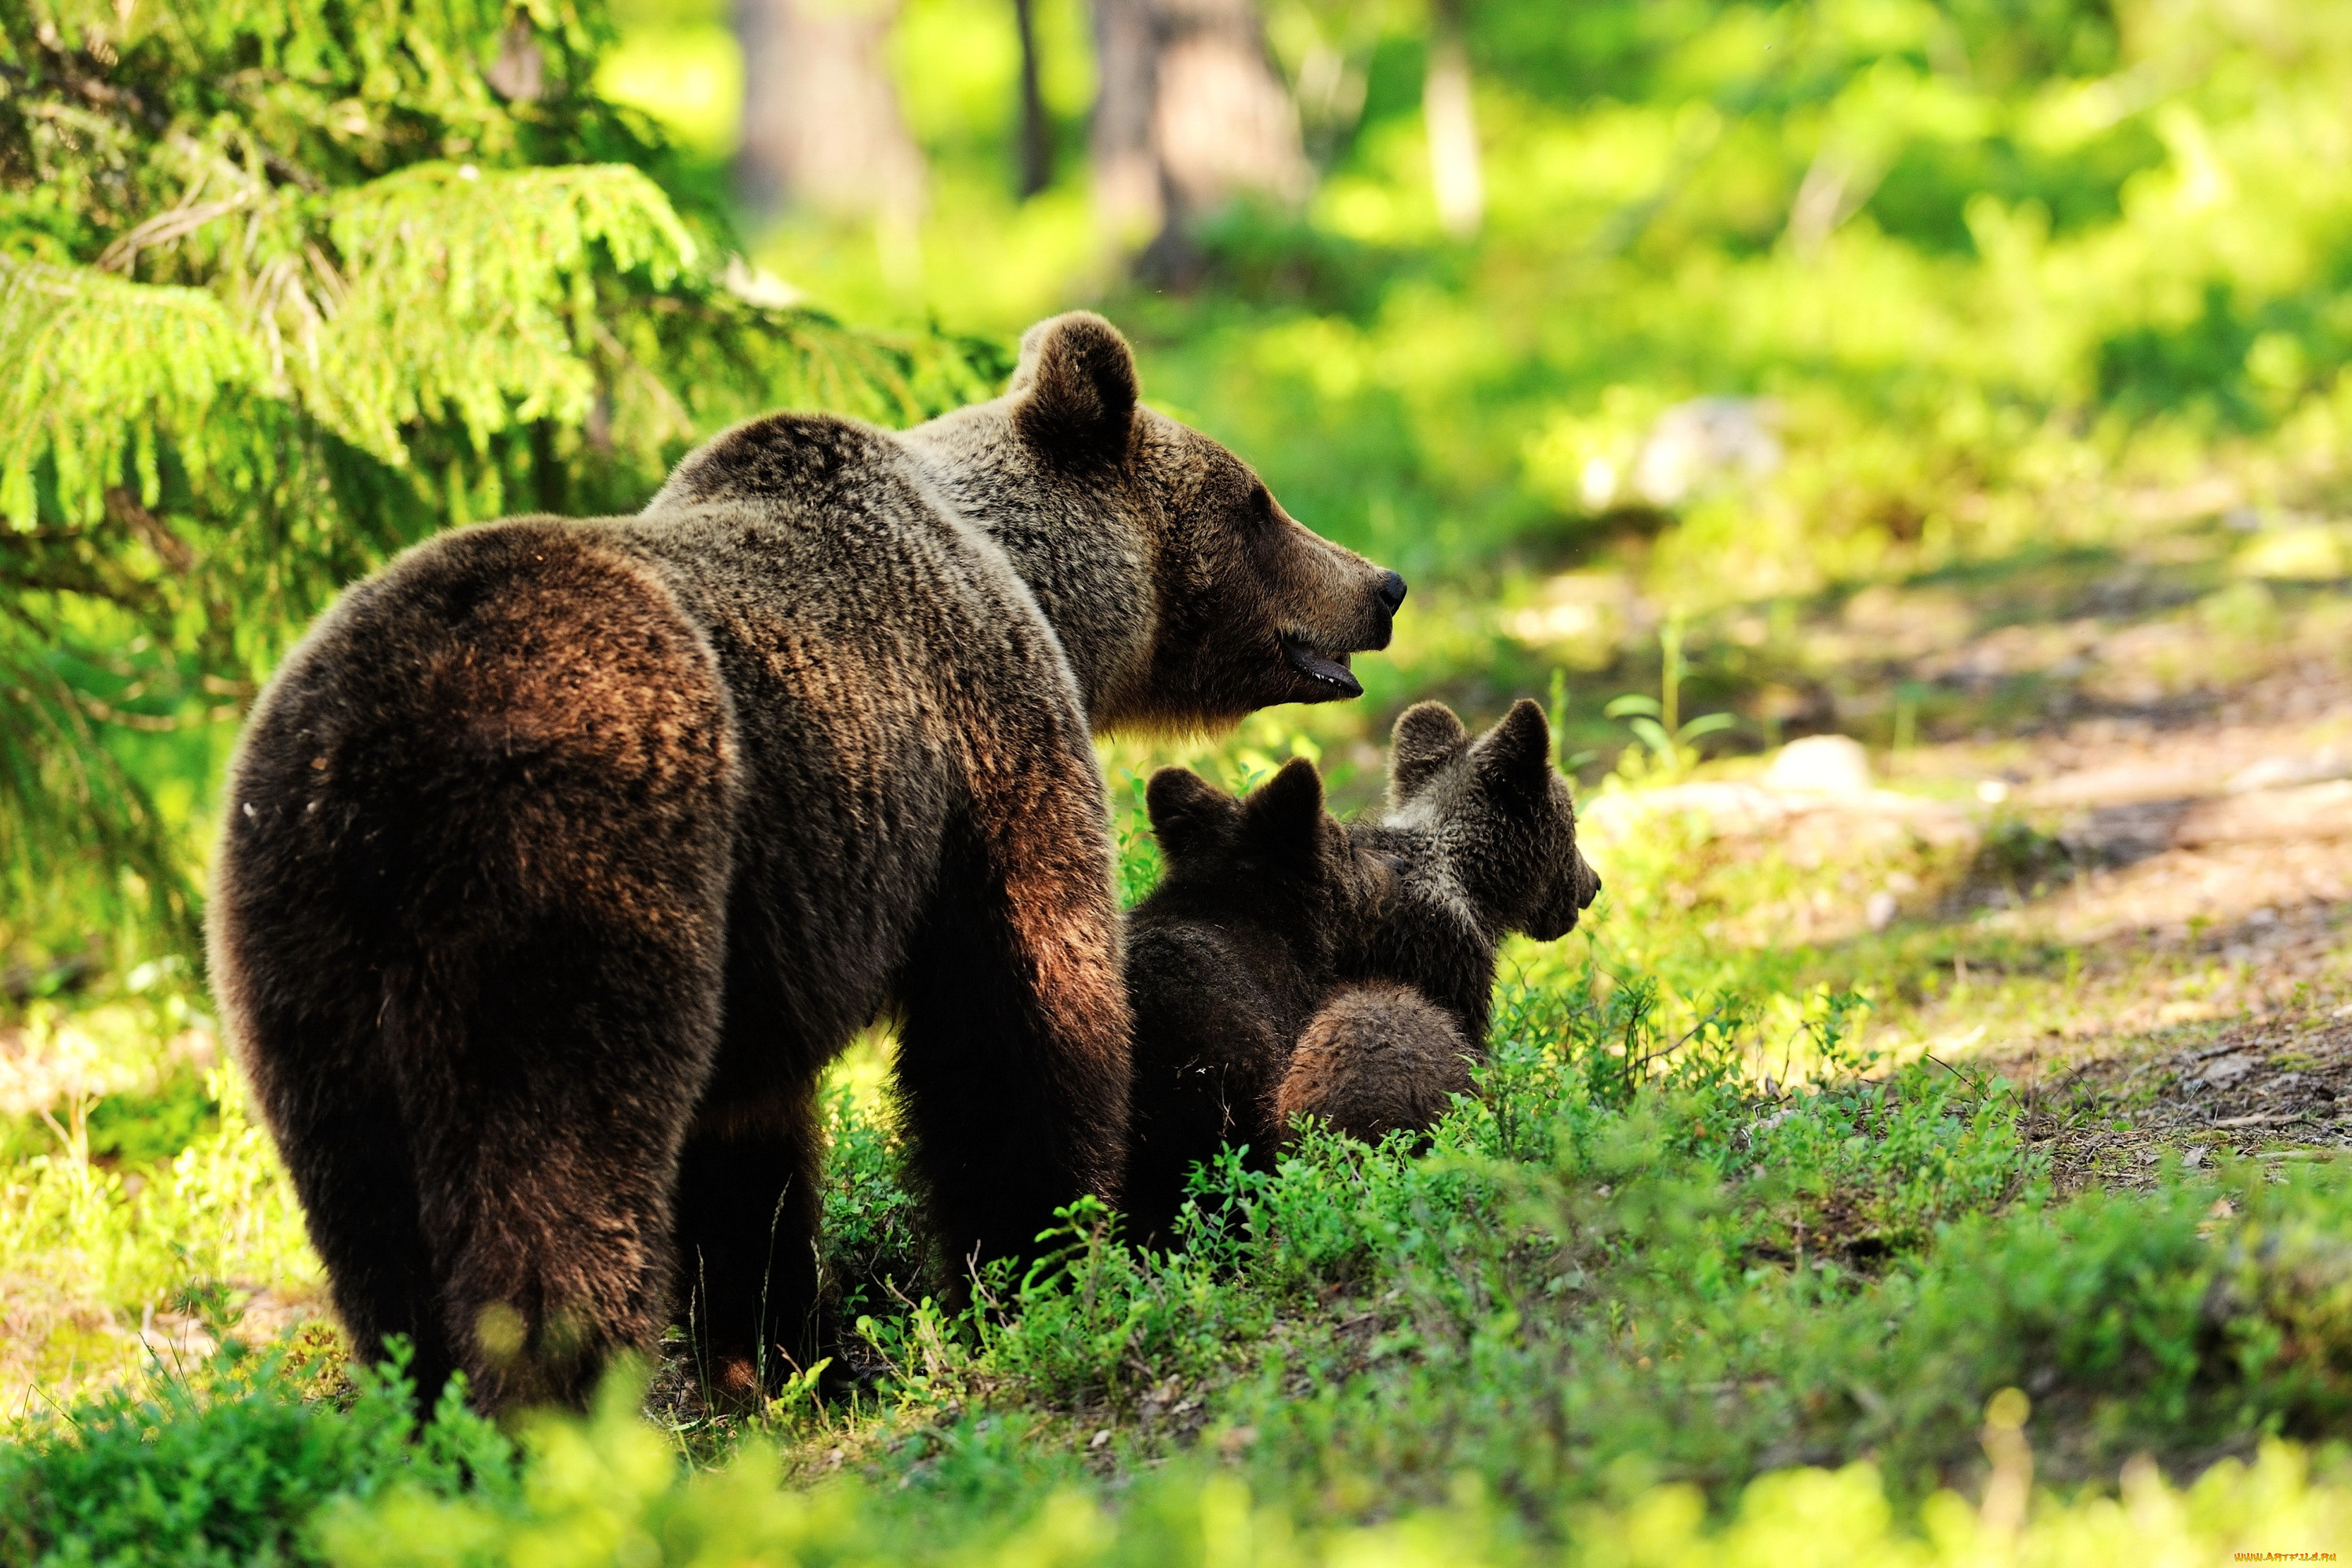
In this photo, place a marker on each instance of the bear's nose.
(1393, 590)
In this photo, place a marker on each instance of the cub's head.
(1275, 859)
(1498, 812)
(1184, 595)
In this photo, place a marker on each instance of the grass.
(1631, 1301)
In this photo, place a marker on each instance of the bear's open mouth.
(1331, 669)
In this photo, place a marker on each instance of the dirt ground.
(2215, 845)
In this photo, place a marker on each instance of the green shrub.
(224, 1468)
(876, 1247)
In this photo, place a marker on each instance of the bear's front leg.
(1012, 1062)
(748, 1203)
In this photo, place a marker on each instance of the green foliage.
(1657, 722)
(286, 289)
(877, 1249)
(166, 1196)
(1094, 1318)
(1625, 1263)
(225, 1465)
(604, 1490)
(1138, 852)
(1623, 1253)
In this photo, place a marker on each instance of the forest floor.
(2094, 942)
(2204, 1002)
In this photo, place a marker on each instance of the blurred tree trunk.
(1452, 129)
(1191, 113)
(1036, 131)
(821, 122)
(1127, 194)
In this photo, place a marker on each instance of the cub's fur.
(1225, 961)
(561, 856)
(1375, 1060)
(1483, 836)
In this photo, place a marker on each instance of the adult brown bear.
(561, 856)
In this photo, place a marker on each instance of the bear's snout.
(1337, 605)
(1569, 898)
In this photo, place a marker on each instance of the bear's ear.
(1185, 809)
(1427, 737)
(1075, 388)
(1515, 757)
(1285, 811)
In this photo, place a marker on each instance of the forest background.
(287, 289)
(1966, 378)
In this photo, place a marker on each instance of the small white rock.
(1824, 765)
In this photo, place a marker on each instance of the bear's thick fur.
(561, 856)
(1483, 836)
(1374, 1060)
(1226, 961)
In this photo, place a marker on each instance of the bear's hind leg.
(301, 997)
(547, 1180)
(336, 1115)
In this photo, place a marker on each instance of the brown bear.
(560, 857)
(1225, 961)
(1290, 964)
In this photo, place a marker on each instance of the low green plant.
(876, 1250)
(1657, 722)
(224, 1464)
(606, 1491)
(1627, 1264)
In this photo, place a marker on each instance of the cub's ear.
(1427, 737)
(1288, 809)
(1076, 387)
(1516, 754)
(1185, 809)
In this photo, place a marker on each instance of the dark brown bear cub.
(1483, 837)
(1225, 961)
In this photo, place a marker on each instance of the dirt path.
(2212, 858)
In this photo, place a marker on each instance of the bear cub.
(1226, 960)
(1483, 833)
(1483, 836)
(1292, 965)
